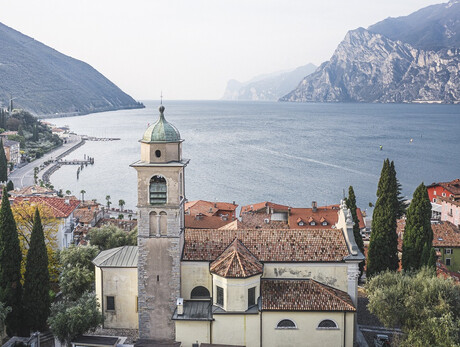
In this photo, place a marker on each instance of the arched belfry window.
(200, 292)
(158, 190)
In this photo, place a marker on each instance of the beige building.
(116, 286)
(259, 287)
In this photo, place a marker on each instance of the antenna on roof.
(161, 98)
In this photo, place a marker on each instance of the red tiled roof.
(452, 186)
(236, 262)
(262, 205)
(302, 295)
(59, 206)
(328, 214)
(205, 222)
(445, 234)
(268, 245)
(209, 208)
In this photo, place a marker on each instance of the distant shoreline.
(76, 114)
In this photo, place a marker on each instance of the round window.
(158, 153)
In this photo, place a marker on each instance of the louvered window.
(251, 296)
(158, 190)
(220, 296)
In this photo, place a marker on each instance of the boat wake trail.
(310, 160)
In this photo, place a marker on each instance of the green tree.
(427, 308)
(78, 256)
(10, 186)
(402, 202)
(36, 279)
(35, 134)
(68, 192)
(351, 204)
(3, 163)
(418, 236)
(383, 244)
(10, 267)
(72, 318)
(75, 281)
(110, 237)
(121, 203)
(107, 197)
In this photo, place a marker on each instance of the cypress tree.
(36, 279)
(351, 204)
(383, 245)
(418, 235)
(3, 163)
(10, 267)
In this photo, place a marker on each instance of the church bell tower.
(161, 196)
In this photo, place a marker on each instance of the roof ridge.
(239, 262)
(232, 256)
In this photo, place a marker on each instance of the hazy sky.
(189, 49)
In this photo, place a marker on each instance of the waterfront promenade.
(24, 176)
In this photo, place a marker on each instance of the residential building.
(33, 191)
(202, 214)
(62, 209)
(450, 210)
(446, 241)
(266, 215)
(116, 286)
(444, 189)
(251, 287)
(12, 151)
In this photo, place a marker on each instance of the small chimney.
(67, 201)
(215, 205)
(314, 206)
(233, 202)
(180, 306)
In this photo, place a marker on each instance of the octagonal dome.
(161, 130)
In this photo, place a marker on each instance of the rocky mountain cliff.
(43, 81)
(367, 66)
(268, 87)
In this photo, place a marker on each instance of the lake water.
(288, 153)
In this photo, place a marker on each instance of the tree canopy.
(418, 235)
(3, 163)
(72, 318)
(24, 213)
(110, 237)
(427, 308)
(383, 245)
(36, 279)
(10, 267)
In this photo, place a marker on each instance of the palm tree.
(107, 197)
(121, 203)
(83, 192)
(68, 192)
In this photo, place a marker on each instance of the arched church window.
(163, 223)
(200, 292)
(286, 324)
(327, 324)
(158, 190)
(153, 224)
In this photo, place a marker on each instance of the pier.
(93, 138)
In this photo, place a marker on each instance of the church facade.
(277, 287)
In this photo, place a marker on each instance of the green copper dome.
(161, 130)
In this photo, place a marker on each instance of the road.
(24, 176)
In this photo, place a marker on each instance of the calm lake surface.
(288, 153)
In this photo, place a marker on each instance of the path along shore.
(24, 176)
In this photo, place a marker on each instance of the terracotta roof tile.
(262, 206)
(302, 295)
(209, 208)
(205, 222)
(327, 214)
(268, 245)
(452, 186)
(236, 262)
(445, 234)
(62, 208)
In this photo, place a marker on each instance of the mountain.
(269, 87)
(431, 28)
(368, 66)
(43, 81)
